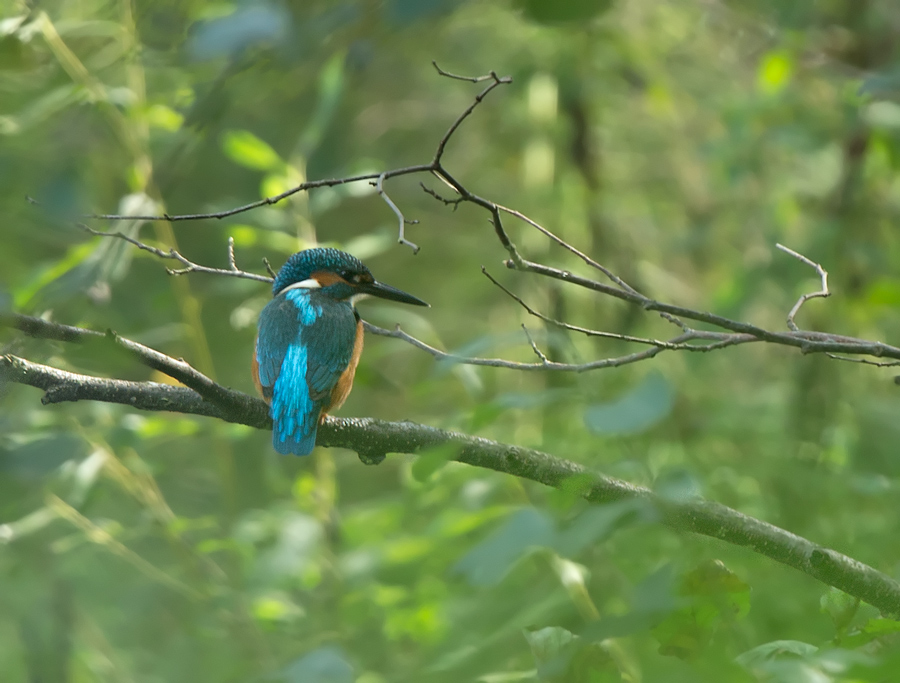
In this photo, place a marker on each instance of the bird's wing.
(329, 344)
(302, 349)
(278, 329)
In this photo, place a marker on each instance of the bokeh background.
(675, 142)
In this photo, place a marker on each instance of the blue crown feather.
(304, 263)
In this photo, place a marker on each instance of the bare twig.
(446, 357)
(573, 328)
(188, 265)
(447, 202)
(401, 238)
(561, 242)
(865, 361)
(471, 79)
(442, 143)
(534, 347)
(267, 201)
(808, 342)
(232, 264)
(269, 270)
(823, 293)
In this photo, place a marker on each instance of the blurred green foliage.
(674, 142)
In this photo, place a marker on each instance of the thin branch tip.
(823, 293)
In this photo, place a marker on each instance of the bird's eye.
(351, 277)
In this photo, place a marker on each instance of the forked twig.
(534, 347)
(188, 266)
(821, 294)
(379, 187)
(471, 79)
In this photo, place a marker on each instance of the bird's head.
(336, 274)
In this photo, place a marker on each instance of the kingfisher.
(309, 340)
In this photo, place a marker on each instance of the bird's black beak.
(383, 291)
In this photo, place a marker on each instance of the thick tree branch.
(175, 368)
(373, 439)
(60, 386)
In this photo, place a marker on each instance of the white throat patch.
(358, 297)
(304, 284)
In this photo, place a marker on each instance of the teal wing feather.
(305, 343)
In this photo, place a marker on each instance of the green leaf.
(563, 657)
(488, 562)
(777, 649)
(717, 597)
(327, 664)
(654, 597)
(872, 630)
(840, 607)
(639, 409)
(244, 148)
(331, 88)
(431, 461)
(599, 522)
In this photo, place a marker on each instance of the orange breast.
(254, 369)
(345, 383)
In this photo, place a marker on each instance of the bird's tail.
(297, 442)
(293, 430)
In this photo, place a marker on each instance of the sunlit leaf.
(276, 607)
(246, 149)
(275, 184)
(775, 72)
(164, 118)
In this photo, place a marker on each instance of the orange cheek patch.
(325, 278)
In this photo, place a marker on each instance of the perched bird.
(309, 341)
